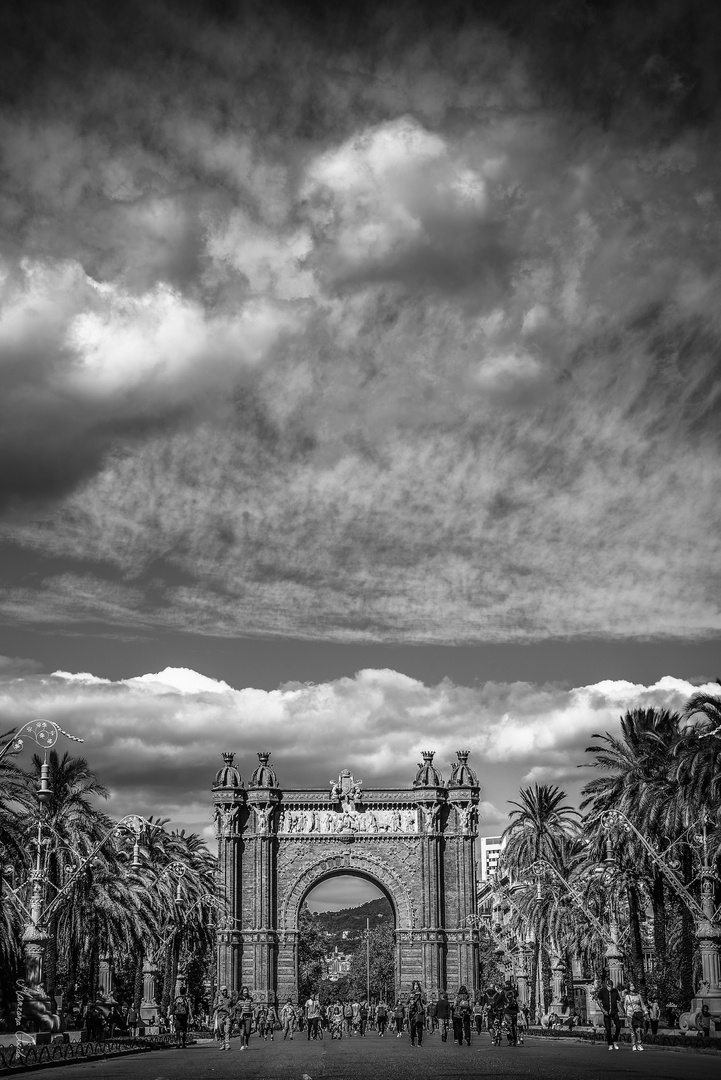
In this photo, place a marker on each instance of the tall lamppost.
(708, 926)
(524, 950)
(608, 934)
(35, 937)
(476, 922)
(45, 734)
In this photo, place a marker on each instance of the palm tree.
(698, 754)
(638, 778)
(74, 823)
(13, 854)
(542, 824)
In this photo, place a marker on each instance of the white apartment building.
(490, 852)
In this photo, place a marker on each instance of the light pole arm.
(123, 823)
(612, 817)
(43, 732)
(477, 921)
(542, 865)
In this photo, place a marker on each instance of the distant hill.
(353, 919)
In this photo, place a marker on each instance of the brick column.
(230, 820)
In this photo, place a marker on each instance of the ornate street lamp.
(708, 926)
(609, 934)
(43, 732)
(35, 937)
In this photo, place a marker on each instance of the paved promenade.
(395, 1059)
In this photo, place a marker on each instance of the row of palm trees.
(159, 907)
(663, 772)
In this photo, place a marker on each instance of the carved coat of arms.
(346, 790)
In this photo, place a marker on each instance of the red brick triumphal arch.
(417, 844)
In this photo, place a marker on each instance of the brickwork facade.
(416, 844)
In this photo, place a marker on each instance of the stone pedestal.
(106, 978)
(558, 970)
(708, 935)
(148, 1006)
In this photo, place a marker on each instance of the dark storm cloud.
(372, 321)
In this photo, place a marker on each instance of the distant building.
(337, 964)
(490, 848)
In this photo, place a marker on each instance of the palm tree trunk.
(167, 979)
(534, 980)
(570, 983)
(687, 938)
(546, 976)
(634, 918)
(658, 900)
(138, 982)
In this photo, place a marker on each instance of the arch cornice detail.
(343, 863)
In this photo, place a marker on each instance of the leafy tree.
(382, 964)
(311, 953)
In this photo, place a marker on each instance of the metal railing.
(25, 1054)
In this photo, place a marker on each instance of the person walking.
(347, 1018)
(287, 1019)
(608, 998)
(398, 1017)
(654, 1014)
(381, 1018)
(443, 1014)
(635, 1012)
(312, 1015)
(182, 1017)
(221, 1012)
(132, 1020)
(462, 1017)
(416, 1013)
(246, 1014)
(272, 1019)
(478, 1015)
(363, 1017)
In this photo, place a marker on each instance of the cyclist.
(335, 1017)
(478, 1015)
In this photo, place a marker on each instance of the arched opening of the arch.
(347, 946)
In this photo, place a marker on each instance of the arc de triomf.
(417, 844)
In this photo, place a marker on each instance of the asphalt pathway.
(372, 1058)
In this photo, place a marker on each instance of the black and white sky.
(359, 382)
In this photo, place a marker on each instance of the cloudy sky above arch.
(332, 334)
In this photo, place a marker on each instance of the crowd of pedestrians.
(414, 1016)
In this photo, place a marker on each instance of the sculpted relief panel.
(349, 820)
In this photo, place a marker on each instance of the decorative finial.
(228, 757)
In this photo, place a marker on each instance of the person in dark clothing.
(462, 1017)
(443, 1014)
(416, 1014)
(608, 998)
(510, 1011)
